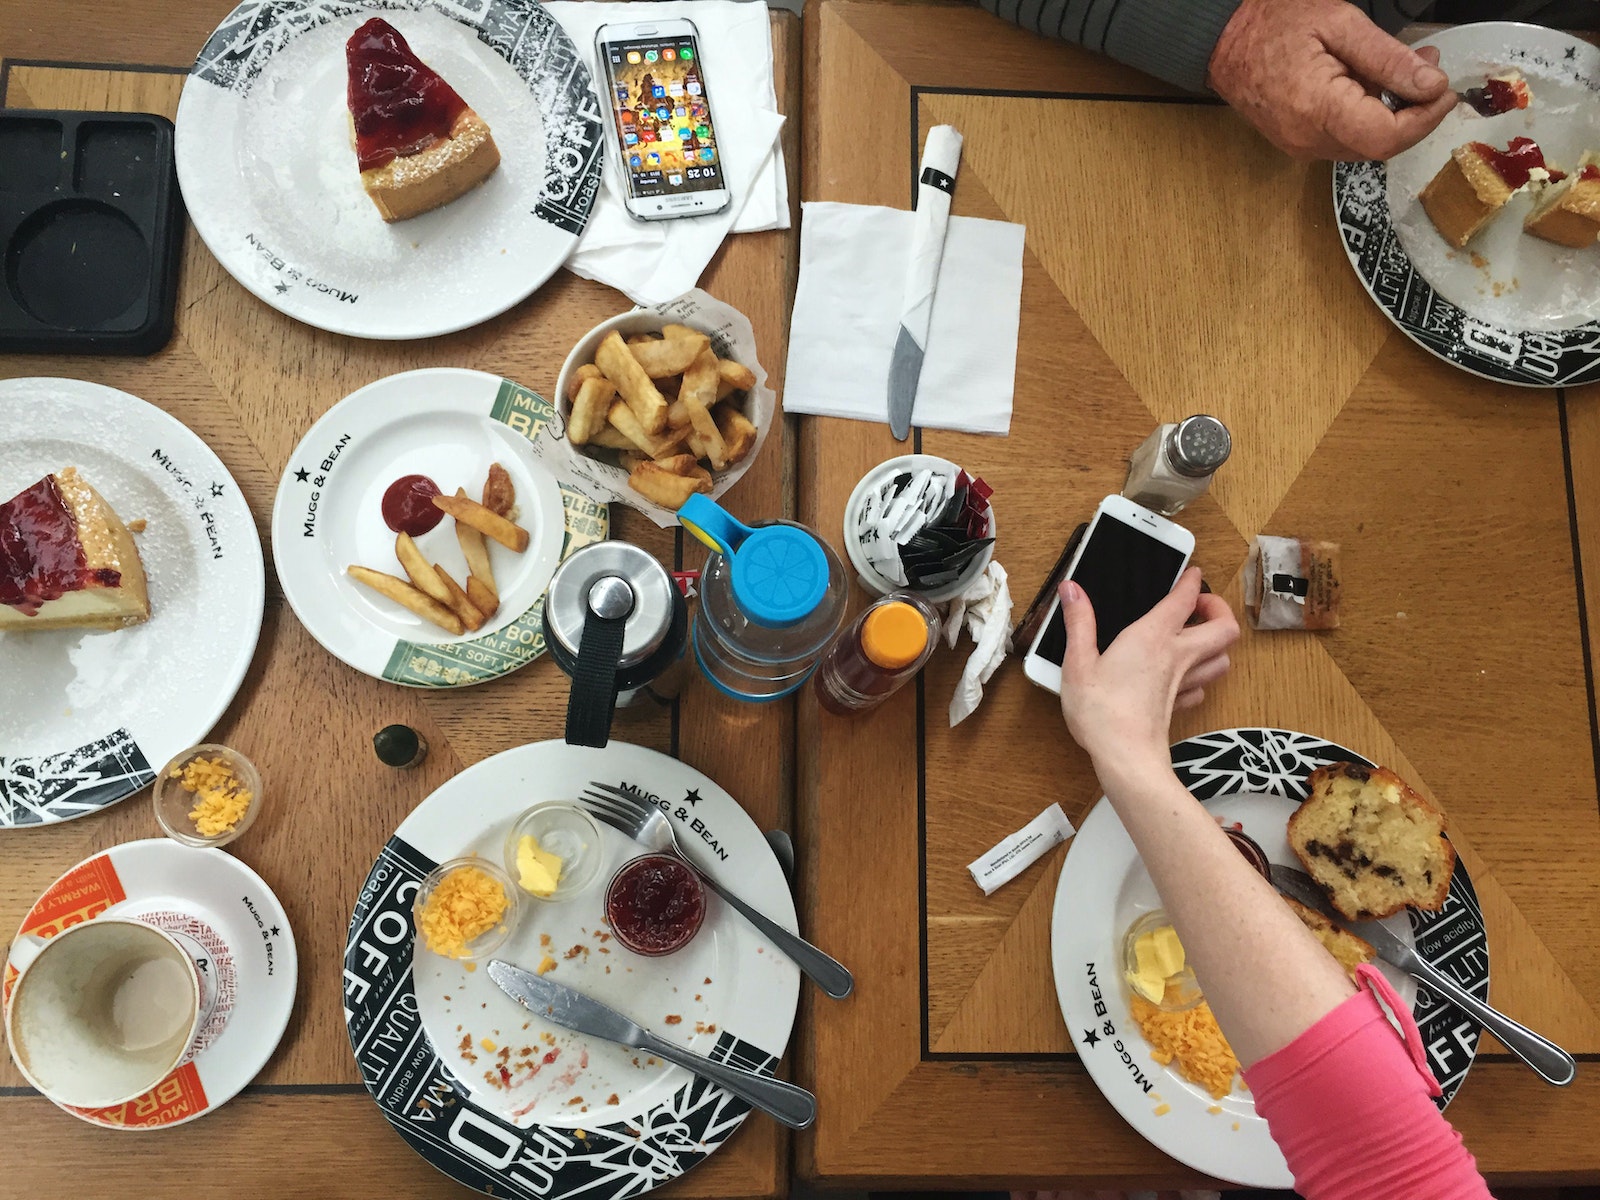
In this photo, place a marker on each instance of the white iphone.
(1127, 561)
(661, 128)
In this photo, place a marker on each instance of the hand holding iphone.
(662, 130)
(1127, 561)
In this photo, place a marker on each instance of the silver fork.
(649, 826)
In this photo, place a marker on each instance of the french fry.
(724, 390)
(499, 493)
(678, 464)
(702, 477)
(678, 331)
(668, 388)
(589, 408)
(663, 487)
(460, 603)
(631, 459)
(678, 415)
(587, 371)
(697, 445)
(611, 438)
(741, 377)
(490, 524)
(622, 418)
(661, 357)
(738, 434)
(640, 339)
(475, 552)
(403, 594)
(482, 596)
(616, 360)
(417, 567)
(698, 394)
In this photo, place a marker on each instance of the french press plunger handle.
(593, 701)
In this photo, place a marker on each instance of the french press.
(615, 623)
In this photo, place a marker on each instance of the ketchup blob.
(408, 505)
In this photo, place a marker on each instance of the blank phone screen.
(1125, 572)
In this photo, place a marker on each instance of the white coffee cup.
(102, 1012)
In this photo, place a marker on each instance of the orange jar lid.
(894, 635)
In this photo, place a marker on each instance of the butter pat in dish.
(554, 851)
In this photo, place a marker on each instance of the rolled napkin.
(847, 310)
(984, 608)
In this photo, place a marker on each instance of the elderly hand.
(1306, 73)
(1119, 704)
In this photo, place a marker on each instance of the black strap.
(1284, 584)
(593, 701)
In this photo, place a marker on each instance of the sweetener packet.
(1292, 583)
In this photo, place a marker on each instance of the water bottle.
(772, 597)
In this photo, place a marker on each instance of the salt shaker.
(1174, 464)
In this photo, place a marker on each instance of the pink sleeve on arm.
(1350, 1105)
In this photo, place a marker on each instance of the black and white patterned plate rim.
(437, 1115)
(1277, 762)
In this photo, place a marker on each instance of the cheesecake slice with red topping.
(1569, 213)
(1470, 190)
(418, 145)
(67, 560)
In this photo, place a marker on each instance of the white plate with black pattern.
(88, 716)
(513, 1106)
(1509, 307)
(269, 174)
(1253, 778)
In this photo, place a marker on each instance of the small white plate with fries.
(454, 595)
(660, 403)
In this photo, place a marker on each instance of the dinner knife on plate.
(571, 1009)
(941, 155)
(1549, 1061)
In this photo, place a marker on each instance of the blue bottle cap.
(780, 575)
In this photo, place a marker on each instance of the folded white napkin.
(984, 607)
(653, 261)
(847, 313)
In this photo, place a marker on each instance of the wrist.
(1129, 772)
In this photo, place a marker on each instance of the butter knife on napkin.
(941, 155)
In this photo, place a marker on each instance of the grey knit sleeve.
(1170, 39)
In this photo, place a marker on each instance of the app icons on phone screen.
(686, 53)
(634, 161)
(674, 180)
(683, 133)
(633, 57)
(650, 56)
(675, 87)
(707, 154)
(668, 54)
(703, 131)
(663, 112)
(622, 92)
(694, 89)
(653, 159)
(629, 139)
(657, 91)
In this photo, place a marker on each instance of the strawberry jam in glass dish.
(655, 904)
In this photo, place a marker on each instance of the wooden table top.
(1175, 263)
(250, 382)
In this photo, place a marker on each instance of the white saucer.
(239, 935)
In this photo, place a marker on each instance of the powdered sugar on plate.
(165, 681)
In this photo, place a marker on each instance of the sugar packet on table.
(1021, 850)
(1292, 583)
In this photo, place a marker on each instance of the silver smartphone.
(662, 130)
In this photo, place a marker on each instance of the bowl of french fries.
(665, 402)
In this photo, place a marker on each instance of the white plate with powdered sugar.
(269, 174)
(88, 716)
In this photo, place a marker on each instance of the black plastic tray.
(92, 228)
